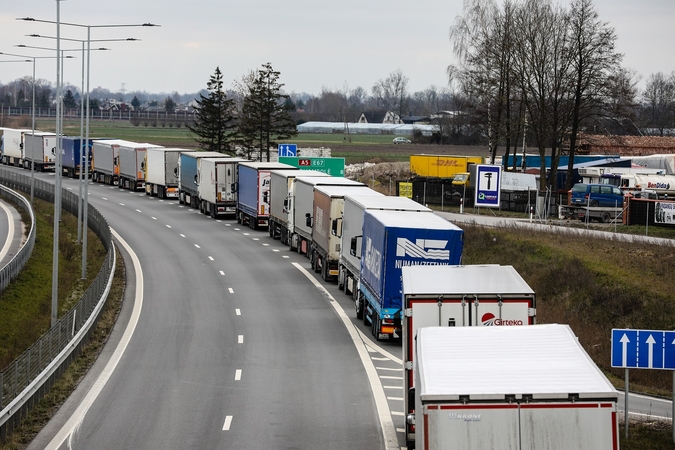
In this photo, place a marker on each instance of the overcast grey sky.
(313, 44)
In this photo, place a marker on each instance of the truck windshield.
(461, 177)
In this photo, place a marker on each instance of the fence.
(14, 266)
(99, 114)
(24, 382)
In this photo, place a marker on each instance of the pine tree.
(69, 100)
(214, 125)
(264, 117)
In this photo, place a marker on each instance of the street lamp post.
(32, 58)
(86, 175)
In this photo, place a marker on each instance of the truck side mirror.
(175, 172)
(308, 220)
(411, 398)
(233, 187)
(196, 178)
(336, 228)
(354, 247)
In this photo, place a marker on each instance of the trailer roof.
(473, 279)
(113, 142)
(267, 165)
(386, 202)
(295, 172)
(326, 181)
(341, 191)
(411, 219)
(489, 363)
(206, 154)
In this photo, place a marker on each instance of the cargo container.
(253, 193)
(73, 155)
(13, 143)
(390, 241)
(282, 188)
(105, 162)
(40, 151)
(189, 165)
(352, 225)
(161, 171)
(329, 203)
(441, 166)
(525, 388)
(457, 296)
(217, 186)
(301, 238)
(132, 165)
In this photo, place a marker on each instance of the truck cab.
(461, 179)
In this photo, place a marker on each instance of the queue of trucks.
(402, 266)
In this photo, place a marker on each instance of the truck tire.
(324, 271)
(341, 276)
(375, 326)
(358, 307)
(213, 211)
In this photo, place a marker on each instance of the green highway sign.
(332, 166)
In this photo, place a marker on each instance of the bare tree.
(659, 99)
(392, 92)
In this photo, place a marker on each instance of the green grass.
(25, 306)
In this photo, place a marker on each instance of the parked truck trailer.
(74, 151)
(282, 188)
(106, 167)
(458, 296)
(523, 388)
(40, 151)
(326, 220)
(132, 166)
(189, 165)
(13, 144)
(253, 194)
(442, 166)
(301, 239)
(351, 226)
(218, 186)
(392, 240)
(161, 171)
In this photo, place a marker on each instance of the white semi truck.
(217, 188)
(459, 296)
(161, 171)
(516, 388)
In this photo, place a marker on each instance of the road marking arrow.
(624, 350)
(650, 358)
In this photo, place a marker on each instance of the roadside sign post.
(488, 186)
(643, 349)
(288, 149)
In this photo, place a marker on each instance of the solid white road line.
(77, 418)
(10, 231)
(237, 375)
(228, 423)
(384, 415)
(390, 368)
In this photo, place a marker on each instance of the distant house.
(114, 105)
(625, 145)
(379, 117)
(419, 120)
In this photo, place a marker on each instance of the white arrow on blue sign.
(288, 149)
(643, 349)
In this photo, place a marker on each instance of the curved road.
(235, 347)
(11, 232)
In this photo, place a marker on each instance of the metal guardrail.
(14, 266)
(26, 380)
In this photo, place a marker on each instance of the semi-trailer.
(106, 167)
(253, 192)
(189, 165)
(301, 238)
(282, 188)
(457, 296)
(329, 202)
(217, 187)
(39, 151)
(13, 144)
(442, 166)
(392, 240)
(132, 165)
(161, 171)
(522, 388)
(352, 225)
(72, 158)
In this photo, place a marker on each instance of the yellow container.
(441, 166)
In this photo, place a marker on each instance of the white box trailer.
(105, 161)
(161, 171)
(40, 151)
(217, 186)
(13, 143)
(459, 296)
(329, 204)
(303, 195)
(132, 165)
(515, 388)
(352, 226)
(281, 208)
(189, 165)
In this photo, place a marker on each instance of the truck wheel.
(341, 276)
(324, 271)
(358, 307)
(375, 328)
(213, 211)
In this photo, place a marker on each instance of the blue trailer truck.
(74, 150)
(253, 192)
(390, 241)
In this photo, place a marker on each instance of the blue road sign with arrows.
(288, 149)
(643, 349)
